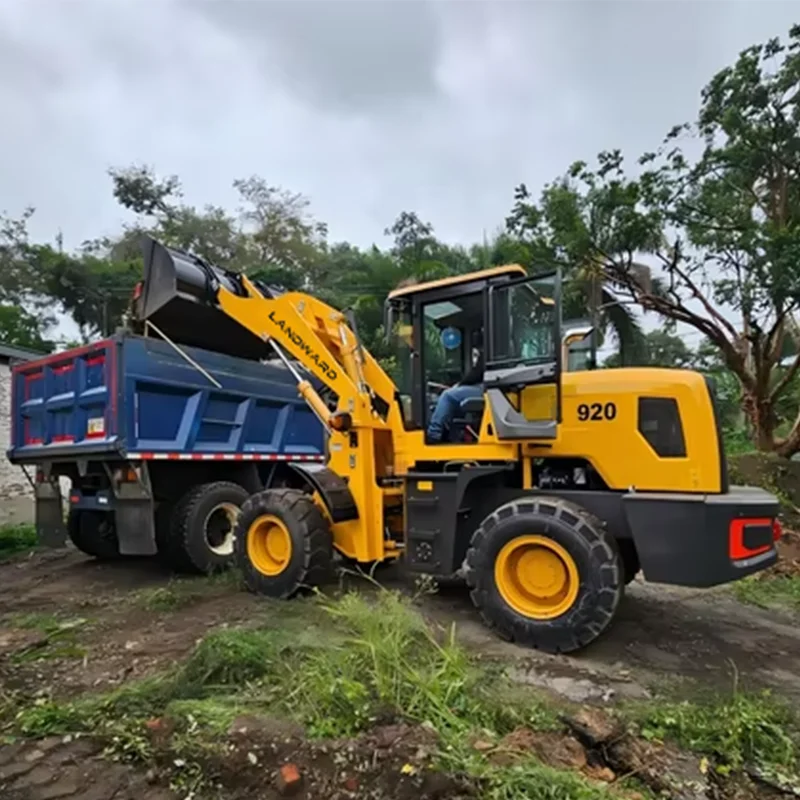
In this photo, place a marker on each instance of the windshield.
(525, 322)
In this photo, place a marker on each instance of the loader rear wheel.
(283, 543)
(544, 573)
(201, 528)
(93, 533)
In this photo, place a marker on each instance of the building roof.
(10, 352)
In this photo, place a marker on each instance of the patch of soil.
(788, 556)
(121, 639)
(268, 759)
(52, 768)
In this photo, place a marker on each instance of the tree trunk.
(759, 413)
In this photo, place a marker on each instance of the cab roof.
(512, 270)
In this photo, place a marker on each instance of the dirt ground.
(114, 630)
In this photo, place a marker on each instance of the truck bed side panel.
(173, 409)
(136, 397)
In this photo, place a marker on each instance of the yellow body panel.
(614, 447)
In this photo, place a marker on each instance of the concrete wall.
(16, 495)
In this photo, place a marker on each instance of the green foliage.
(659, 349)
(21, 328)
(778, 591)
(16, 539)
(721, 231)
(355, 662)
(740, 730)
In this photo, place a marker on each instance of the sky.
(368, 108)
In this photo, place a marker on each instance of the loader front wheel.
(545, 574)
(282, 543)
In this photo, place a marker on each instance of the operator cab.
(438, 330)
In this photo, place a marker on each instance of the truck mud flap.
(134, 521)
(51, 530)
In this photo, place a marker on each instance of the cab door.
(524, 356)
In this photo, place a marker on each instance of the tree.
(660, 349)
(721, 229)
(556, 233)
(22, 329)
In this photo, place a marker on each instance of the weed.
(59, 637)
(162, 598)
(738, 730)
(536, 780)
(232, 657)
(16, 539)
(769, 591)
(182, 592)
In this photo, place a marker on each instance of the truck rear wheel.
(544, 573)
(201, 528)
(283, 543)
(93, 533)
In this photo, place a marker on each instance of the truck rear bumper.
(703, 540)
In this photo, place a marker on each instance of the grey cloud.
(347, 57)
(367, 107)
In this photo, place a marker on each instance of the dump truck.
(161, 443)
(548, 492)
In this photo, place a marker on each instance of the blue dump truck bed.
(138, 398)
(161, 445)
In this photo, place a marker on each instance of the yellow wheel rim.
(537, 577)
(269, 545)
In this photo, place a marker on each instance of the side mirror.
(573, 336)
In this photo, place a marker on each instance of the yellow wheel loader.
(547, 490)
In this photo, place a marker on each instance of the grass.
(742, 729)
(769, 591)
(338, 671)
(339, 667)
(59, 637)
(16, 539)
(180, 593)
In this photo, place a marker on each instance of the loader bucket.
(178, 299)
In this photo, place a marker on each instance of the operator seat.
(468, 423)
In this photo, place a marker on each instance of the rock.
(594, 727)
(386, 736)
(604, 774)
(554, 749)
(265, 726)
(65, 786)
(289, 780)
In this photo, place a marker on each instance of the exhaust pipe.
(178, 295)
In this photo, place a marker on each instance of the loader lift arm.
(322, 340)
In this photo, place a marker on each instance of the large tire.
(283, 543)
(544, 573)
(93, 533)
(201, 528)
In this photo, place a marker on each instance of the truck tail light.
(777, 530)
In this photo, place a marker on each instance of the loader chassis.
(546, 494)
